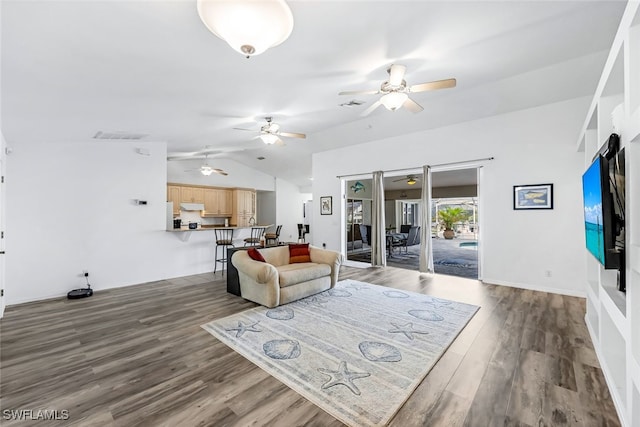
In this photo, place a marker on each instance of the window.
(410, 213)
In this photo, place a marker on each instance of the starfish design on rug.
(314, 301)
(438, 303)
(242, 328)
(343, 376)
(406, 329)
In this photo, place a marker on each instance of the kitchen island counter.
(201, 247)
(216, 227)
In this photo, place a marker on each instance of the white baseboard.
(568, 292)
(356, 264)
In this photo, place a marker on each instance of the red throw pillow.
(299, 253)
(255, 255)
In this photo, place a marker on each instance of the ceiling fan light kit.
(270, 133)
(269, 138)
(410, 179)
(206, 170)
(394, 100)
(395, 92)
(250, 27)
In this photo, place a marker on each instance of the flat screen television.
(599, 214)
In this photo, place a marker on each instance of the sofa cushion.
(292, 274)
(276, 255)
(254, 254)
(299, 253)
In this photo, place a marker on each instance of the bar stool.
(273, 237)
(303, 229)
(224, 239)
(256, 234)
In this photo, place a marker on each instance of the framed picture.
(538, 196)
(326, 205)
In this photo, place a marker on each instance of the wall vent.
(119, 136)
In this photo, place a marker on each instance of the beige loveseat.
(277, 282)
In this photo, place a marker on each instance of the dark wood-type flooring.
(137, 356)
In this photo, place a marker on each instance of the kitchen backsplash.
(194, 216)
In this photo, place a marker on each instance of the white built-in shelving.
(613, 317)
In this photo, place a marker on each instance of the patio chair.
(413, 238)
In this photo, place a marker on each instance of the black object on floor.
(82, 292)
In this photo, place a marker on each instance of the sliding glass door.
(354, 219)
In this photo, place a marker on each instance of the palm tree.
(450, 216)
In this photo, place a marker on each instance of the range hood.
(191, 206)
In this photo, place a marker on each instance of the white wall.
(530, 147)
(266, 207)
(289, 211)
(70, 207)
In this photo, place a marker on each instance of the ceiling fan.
(207, 170)
(270, 133)
(208, 151)
(395, 91)
(411, 179)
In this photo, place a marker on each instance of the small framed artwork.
(538, 196)
(326, 205)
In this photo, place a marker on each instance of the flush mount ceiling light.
(248, 26)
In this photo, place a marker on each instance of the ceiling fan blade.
(220, 172)
(193, 155)
(396, 74)
(292, 134)
(250, 130)
(412, 106)
(371, 108)
(438, 84)
(359, 92)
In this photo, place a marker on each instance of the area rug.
(357, 351)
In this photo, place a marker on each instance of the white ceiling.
(72, 68)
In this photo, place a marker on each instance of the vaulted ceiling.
(73, 68)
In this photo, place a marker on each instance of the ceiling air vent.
(119, 136)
